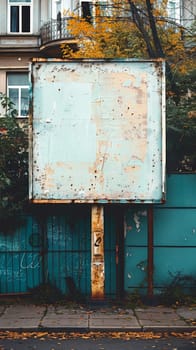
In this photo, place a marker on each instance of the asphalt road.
(171, 343)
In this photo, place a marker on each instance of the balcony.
(53, 33)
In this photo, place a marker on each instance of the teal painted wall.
(135, 249)
(174, 237)
(20, 258)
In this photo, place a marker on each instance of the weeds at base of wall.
(180, 291)
(133, 300)
(48, 293)
(45, 293)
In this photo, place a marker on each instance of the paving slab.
(15, 324)
(112, 314)
(113, 320)
(2, 309)
(155, 309)
(23, 311)
(64, 310)
(21, 317)
(60, 317)
(187, 313)
(160, 318)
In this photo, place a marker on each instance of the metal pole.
(150, 251)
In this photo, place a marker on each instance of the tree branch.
(139, 23)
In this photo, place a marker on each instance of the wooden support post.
(97, 252)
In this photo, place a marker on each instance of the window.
(19, 16)
(172, 9)
(56, 8)
(18, 92)
(86, 7)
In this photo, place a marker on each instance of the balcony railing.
(55, 30)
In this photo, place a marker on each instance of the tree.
(130, 29)
(13, 166)
(142, 29)
(181, 126)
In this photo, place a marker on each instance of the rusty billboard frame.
(127, 158)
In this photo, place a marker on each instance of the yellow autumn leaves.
(117, 36)
(107, 38)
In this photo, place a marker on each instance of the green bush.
(13, 167)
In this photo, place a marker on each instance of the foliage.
(133, 300)
(180, 291)
(13, 166)
(181, 127)
(108, 39)
(142, 29)
(130, 29)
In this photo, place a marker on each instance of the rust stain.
(97, 252)
(46, 179)
(98, 281)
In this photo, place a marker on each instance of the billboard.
(97, 131)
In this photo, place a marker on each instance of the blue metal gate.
(113, 251)
(21, 258)
(68, 249)
(51, 246)
(54, 245)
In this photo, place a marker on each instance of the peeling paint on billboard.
(98, 131)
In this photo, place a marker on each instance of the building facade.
(35, 28)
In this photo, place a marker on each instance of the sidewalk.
(59, 318)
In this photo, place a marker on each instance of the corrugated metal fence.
(54, 245)
(21, 258)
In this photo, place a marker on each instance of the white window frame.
(19, 88)
(56, 7)
(174, 10)
(93, 3)
(80, 7)
(20, 5)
